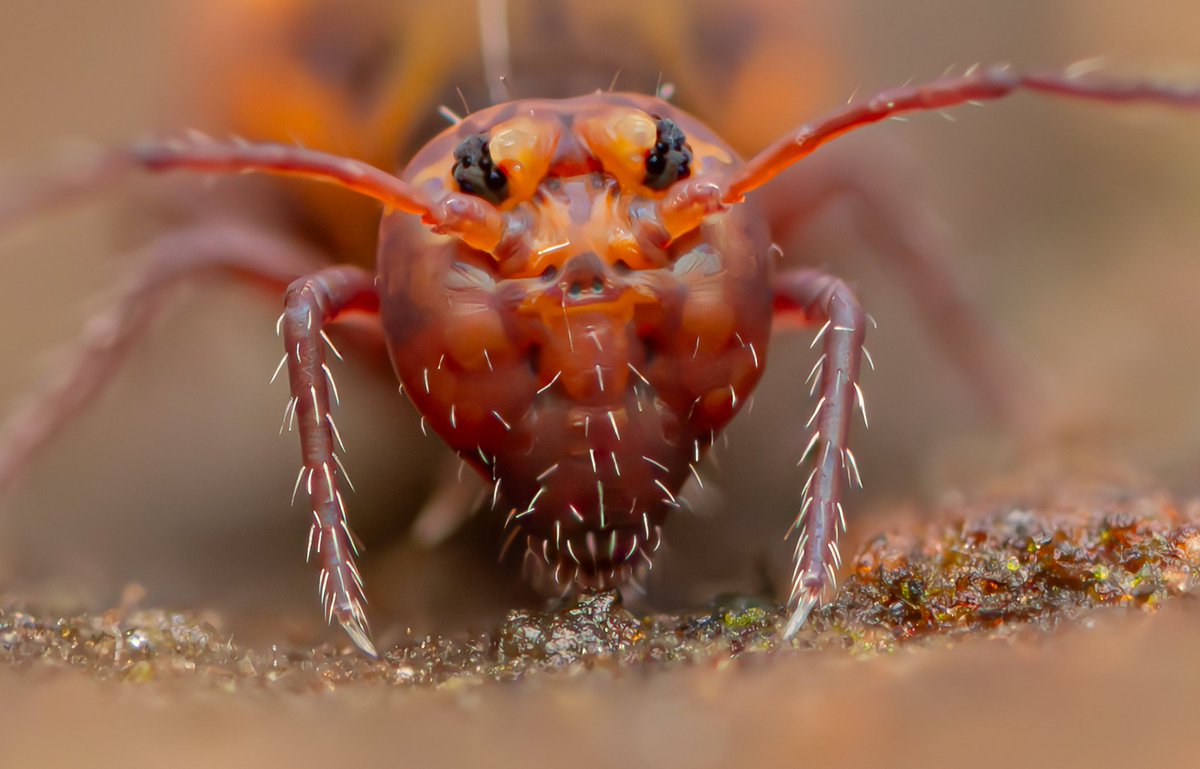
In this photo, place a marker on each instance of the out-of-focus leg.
(904, 234)
(954, 321)
(214, 247)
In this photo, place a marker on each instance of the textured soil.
(1011, 571)
(923, 628)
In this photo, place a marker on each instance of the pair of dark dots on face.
(576, 289)
(476, 174)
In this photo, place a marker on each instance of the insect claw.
(356, 629)
(808, 600)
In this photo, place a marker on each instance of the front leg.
(819, 298)
(311, 304)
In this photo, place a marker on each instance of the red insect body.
(586, 364)
(577, 298)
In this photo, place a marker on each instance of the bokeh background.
(1074, 225)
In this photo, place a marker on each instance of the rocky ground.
(1007, 627)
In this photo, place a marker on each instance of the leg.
(175, 257)
(820, 298)
(20, 200)
(311, 304)
(469, 217)
(978, 85)
(902, 232)
(455, 499)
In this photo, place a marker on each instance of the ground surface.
(954, 626)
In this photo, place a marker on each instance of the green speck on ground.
(994, 572)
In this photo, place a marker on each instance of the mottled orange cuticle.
(620, 139)
(523, 148)
(577, 361)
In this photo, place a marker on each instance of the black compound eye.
(475, 172)
(670, 159)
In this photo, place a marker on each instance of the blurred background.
(1073, 225)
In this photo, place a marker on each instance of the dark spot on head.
(670, 159)
(475, 172)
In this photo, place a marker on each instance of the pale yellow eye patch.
(620, 138)
(523, 148)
